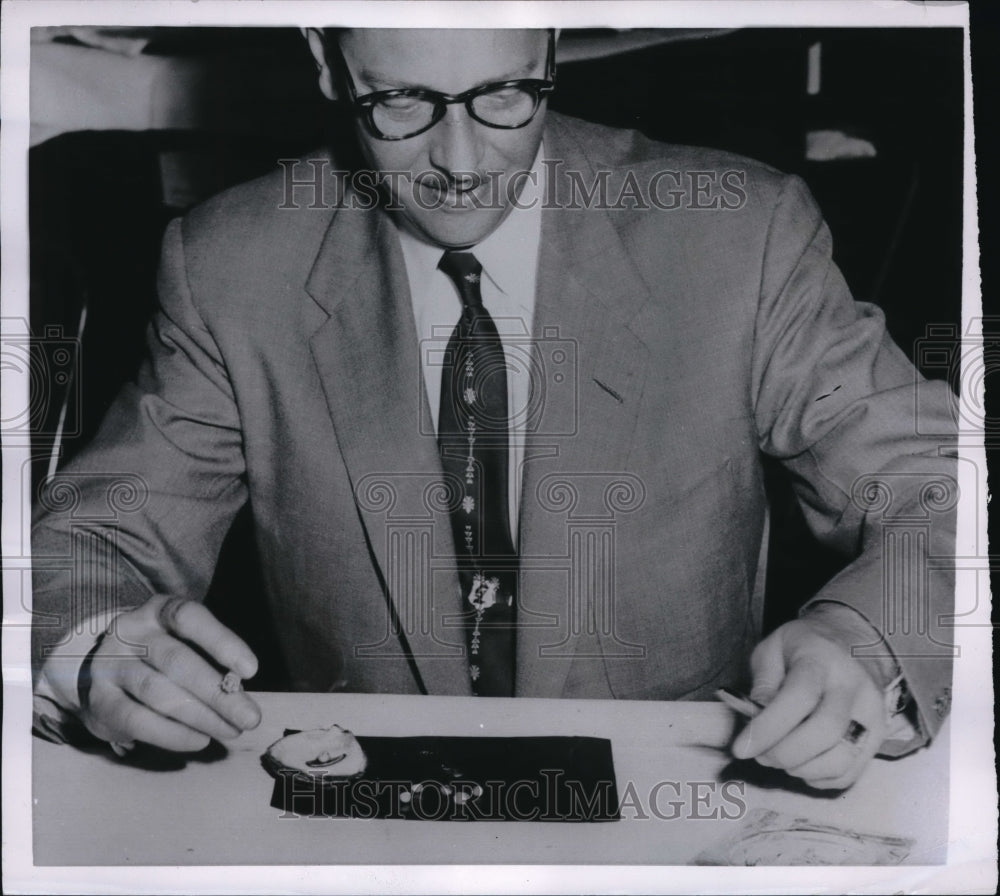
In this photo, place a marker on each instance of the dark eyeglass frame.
(364, 106)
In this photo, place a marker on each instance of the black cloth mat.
(463, 779)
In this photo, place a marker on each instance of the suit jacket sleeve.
(838, 402)
(145, 507)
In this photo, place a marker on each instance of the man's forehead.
(442, 58)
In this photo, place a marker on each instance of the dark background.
(98, 204)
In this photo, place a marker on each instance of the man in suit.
(501, 432)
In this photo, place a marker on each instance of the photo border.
(972, 848)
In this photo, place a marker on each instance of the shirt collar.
(509, 254)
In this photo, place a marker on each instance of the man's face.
(449, 165)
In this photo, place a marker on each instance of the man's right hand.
(150, 679)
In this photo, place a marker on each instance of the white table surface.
(91, 809)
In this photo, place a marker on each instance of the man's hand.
(150, 680)
(812, 689)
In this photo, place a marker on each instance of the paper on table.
(767, 837)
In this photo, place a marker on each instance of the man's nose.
(456, 149)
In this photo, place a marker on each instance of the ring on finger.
(855, 734)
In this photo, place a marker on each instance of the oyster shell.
(332, 752)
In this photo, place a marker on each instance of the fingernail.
(247, 669)
(249, 719)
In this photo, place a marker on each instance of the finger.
(193, 622)
(178, 662)
(820, 732)
(767, 666)
(841, 762)
(799, 694)
(161, 695)
(118, 718)
(841, 783)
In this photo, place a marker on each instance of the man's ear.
(317, 46)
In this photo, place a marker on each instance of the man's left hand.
(812, 689)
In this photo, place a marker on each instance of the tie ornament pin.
(484, 592)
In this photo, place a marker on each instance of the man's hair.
(331, 50)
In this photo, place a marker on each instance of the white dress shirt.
(509, 257)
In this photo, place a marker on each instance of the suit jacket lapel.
(587, 295)
(368, 360)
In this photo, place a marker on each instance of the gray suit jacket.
(672, 348)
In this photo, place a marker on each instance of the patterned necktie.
(472, 439)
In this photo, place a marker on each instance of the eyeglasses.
(407, 112)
